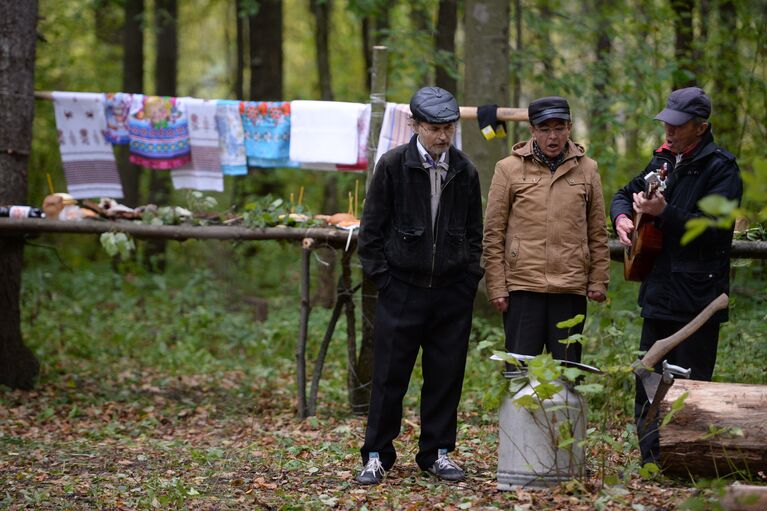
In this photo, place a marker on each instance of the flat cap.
(684, 104)
(434, 105)
(550, 107)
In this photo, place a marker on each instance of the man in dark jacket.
(420, 242)
(683, 279)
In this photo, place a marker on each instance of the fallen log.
(742, 497)
(720, 432)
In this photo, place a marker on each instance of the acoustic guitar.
(646, 239)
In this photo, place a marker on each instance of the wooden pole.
(378, 99)
(23, 226)
(377, 105)
(360, 398)
(303, 328)
(503, 113)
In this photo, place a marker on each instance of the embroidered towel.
(231, 138)
(324, 131)
(117, 109)
(396, 130)
(267, 133)
(363, 130)
(204, 172)
(87, 157)
(159, 133)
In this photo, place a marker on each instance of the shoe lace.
(445, 463)
(373, 466)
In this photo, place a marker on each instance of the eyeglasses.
(559, 130)
(448, 129)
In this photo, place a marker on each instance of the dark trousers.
(409, 318)
(531, 319)
(698, 353)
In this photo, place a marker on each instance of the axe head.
(649, 378)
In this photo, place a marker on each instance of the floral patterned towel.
(117, 110)
(267, 133)
(159, 133)
(231, 138)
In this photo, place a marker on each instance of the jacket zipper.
(434, 232)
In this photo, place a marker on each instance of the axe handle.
(659, 350)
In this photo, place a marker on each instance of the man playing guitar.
(682, 280)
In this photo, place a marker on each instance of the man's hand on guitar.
(623, 227)
(653, 206)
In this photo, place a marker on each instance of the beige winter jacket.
(545, 232)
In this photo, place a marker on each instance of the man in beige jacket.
(545, 239)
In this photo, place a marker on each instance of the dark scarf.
(551, 163)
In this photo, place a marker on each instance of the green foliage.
(721, 212)
(117, 243)
(269, 212)
(676, 406)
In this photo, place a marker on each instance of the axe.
(644, 368)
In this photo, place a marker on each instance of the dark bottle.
(21, 212)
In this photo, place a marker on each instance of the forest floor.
(141, 440)
(167, 392)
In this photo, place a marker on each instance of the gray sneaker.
(446, 469)
(373, 472)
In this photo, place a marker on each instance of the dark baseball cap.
(684, 104)
(434, 105)
(550, 107)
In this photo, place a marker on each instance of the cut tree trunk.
(719, 432)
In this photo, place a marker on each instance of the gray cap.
(684, 104)
(434, 105)
(550, 107)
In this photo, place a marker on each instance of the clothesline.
(200, 141)
(467, 112)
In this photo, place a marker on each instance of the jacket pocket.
(694, 284)
(512, 253)
(456, 250)
(406, 248)
(409, 234)
(586, 258)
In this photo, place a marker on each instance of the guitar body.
(646, 244)
(646, 239)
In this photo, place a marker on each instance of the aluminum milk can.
(534, 447)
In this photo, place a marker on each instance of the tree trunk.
(133, 82)
(420, 19)
(325, 294)
(166, 47)
(598, 118)
(375, 23)
(18, 30)
(265, 31)
(727, 77)
(321, 10)
(239, 72)
(486, 78)
(516, 91)
(444, 44)
(719, 432)
(683, 50)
